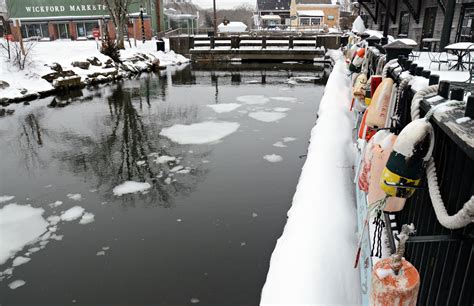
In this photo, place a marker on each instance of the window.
(34, 30)
(404, 23)
(313, 21)
(85, 29)
(304, 21)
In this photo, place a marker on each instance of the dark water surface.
(208, 236)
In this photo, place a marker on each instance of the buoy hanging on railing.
(356, 63)
(406, 165)
(358, 92)
(365, 132)
(395, 281)
(379, 105)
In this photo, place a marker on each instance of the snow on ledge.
(313, 260)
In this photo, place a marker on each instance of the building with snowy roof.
(272, 13)
(314, 14)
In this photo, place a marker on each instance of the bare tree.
(13, 52)
(118, 10)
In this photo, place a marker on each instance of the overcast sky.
(223, 3)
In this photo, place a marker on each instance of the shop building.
(75, 19)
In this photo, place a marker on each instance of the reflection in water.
(30, 140)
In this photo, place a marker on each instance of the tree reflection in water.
(124, 146)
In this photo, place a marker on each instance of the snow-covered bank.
(313, 260)
(30, 81)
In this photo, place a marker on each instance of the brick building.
(75, 19)
(314, 13)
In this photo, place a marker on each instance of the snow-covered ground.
(444, 73)
(312, 263)
(64, 52)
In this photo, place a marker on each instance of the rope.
(380, 64)
(415, 104)
(388, 65)
(465, 215)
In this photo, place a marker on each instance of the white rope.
(415, 103)
(465, 215)
(388, 65)
(462, 218)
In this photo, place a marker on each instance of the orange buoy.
(364, 129)
(390, 289)
(395, 281)
(378, 108)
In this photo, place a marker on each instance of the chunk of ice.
(16, 284)
(164, 159)
(74, 196)
(6, 198)
(285, 99)
(56, 204)
(130, 187)
(224, 108)
(281, 109)
(288, 139)
(279, 144)
(87, 218)
(20, 260)
(199, 133)
(20, 225)
(267, 116)
(72, 213)
(273, 158)
(253, 99)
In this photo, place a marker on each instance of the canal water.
(222, 179)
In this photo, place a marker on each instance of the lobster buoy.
(356, 62)
(365, 132)
(363, 181)
(380, 154)
(358, 91)
(406, 164)
(375, 81)
(378, 108)
(395, 281)
(390, 289)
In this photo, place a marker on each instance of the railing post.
(290, 42)
(212, 41)
(264, 42)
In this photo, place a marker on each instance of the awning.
(271, 17)
(310, 13)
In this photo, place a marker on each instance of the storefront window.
(34, 30)
(404, 23)
(85, 29)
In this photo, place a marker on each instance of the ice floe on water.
(74, 196)
(20, 225)
(254, 215)
(267, 116)
(273, 158)
(253, 99)
(200, 133)
(55, 204)
(224, 108)
(285, 99)
(130, 187)
(87, 218)
(281, 109)
(20, 260)
(164, 159)
(6, 198)
(16, 284)
(288, 139)
(72, 213)
(279, 144)
(194, 300)
(53, 220)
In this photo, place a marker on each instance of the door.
(63, 31)
(429, 22)
(466, 24)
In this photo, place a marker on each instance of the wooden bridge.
(258, 48)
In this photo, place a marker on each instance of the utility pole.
(215, 18)
(158, 17)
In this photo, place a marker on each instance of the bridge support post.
(212, 41)
(264, 42)
(290, 43)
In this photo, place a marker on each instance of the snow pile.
(313, 260)
(20, 225)
(224, 108)
(273, 158)
(199, 133)
(130, 187)
(267, 116)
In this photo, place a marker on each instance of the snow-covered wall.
(313, 260)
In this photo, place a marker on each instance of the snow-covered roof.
(271, 17)
(234, 26)
(311, 13)
(273, 5)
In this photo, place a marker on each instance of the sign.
(96, 33)
(62, 8)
